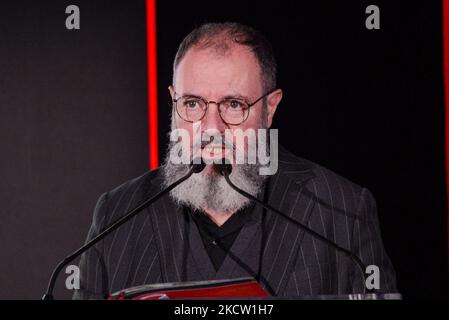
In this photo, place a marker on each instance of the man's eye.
(234, 104)
(191, 104)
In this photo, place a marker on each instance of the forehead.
(208, 72)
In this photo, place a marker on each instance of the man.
(224, 81)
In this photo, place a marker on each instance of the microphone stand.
(225, 170)
(196, 168)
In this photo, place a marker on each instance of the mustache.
(214, 139)
(182, 149)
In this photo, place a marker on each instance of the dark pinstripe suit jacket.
(161, 244)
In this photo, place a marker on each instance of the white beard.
(211, 191)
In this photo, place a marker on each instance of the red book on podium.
(218, 289)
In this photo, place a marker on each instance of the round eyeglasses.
(233, 111)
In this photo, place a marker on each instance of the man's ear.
(273, 100)
(172, 91)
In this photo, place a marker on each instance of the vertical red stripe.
(446, 89)
(152, 83)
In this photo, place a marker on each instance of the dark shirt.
(218, 240)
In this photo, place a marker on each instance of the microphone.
(196, 167)
(225, 169)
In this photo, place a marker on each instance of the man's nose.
(212, 119)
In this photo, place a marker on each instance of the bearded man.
(224, 82)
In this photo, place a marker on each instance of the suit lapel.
(169, 229)
(282, 238)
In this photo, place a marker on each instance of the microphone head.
(224, 168)
(197, 165)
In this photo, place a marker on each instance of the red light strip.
(446, 88)
(152, 83)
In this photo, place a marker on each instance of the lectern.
(242, 288)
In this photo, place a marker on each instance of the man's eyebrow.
(236, 96)
(229, 96)
(190, 95)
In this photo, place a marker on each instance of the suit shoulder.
(327, 184)
(335, 181)
(139, 182)
(128, 194)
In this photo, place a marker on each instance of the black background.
(368, 104)
(73, 125)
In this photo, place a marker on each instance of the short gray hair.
(218, 36)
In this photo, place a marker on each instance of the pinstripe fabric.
(162, 245)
